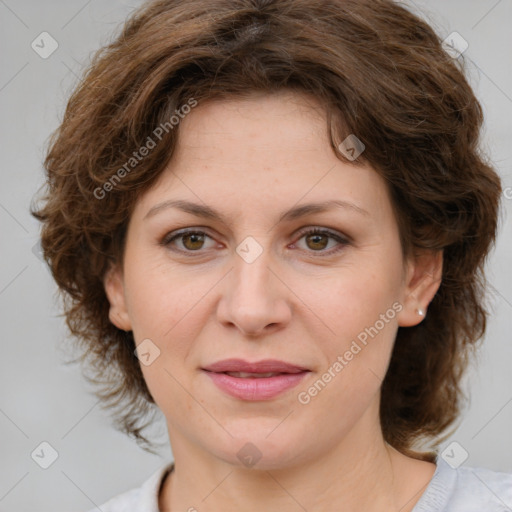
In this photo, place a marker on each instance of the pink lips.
(255, 388)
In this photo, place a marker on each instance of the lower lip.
(263, 388)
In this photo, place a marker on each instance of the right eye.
(191, 239)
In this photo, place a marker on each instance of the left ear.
(423, 278)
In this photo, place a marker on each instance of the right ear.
(113, 283)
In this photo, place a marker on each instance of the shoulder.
(141, 499)
(477, 487)
(466, 489)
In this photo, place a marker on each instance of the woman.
(271, 220)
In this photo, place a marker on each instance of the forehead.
(259, 152)
(263, 123)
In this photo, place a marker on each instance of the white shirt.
(464, 489)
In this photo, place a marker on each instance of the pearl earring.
(420, 312)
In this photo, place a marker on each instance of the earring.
(420, 312)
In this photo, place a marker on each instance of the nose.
(255, 299)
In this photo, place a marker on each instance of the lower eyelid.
(341, 241)
(168, 239)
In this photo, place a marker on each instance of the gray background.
(41, 399)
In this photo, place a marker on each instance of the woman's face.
(253, 283)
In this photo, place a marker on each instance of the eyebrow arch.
(294, 213)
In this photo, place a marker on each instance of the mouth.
(263, 380)
(256, 368)
(247, 375)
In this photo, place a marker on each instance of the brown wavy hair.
(379, 71)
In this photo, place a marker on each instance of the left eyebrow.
(204, 211)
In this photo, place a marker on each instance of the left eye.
(317, 239)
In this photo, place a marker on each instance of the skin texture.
(298, 301)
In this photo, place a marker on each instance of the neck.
(361, 472)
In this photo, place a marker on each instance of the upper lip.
(263, 366)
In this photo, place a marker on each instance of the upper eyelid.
(301, 231)
(339, 237)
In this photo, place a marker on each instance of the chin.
(262, 448)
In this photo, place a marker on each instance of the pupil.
(195, 238)
(319, 236)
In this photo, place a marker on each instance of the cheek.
(360, 309)
(158, 295)
(355, 298)
(165, 307)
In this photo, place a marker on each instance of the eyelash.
(170, 237)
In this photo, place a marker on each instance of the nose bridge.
(254, 297)
(252, 270)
